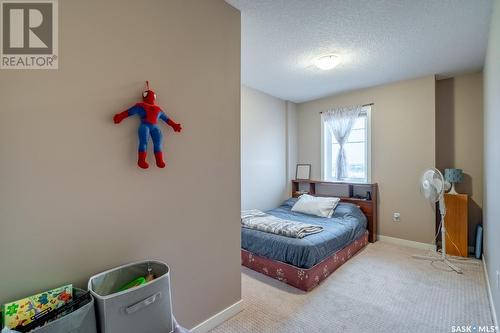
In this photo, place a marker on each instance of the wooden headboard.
(346, 192)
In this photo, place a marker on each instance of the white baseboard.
(405, 242)
(490, 296)
(218, 318)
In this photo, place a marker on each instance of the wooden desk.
(456, 224)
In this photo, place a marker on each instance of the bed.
(305, 262)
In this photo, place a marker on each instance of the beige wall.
(72, 199)
(459, 137)
(263, 150)
(292, 143)
(403, 146)
(492, 157)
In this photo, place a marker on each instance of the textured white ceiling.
(380, 41)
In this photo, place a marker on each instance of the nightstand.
(456, 224)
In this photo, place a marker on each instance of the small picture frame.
(303, 172)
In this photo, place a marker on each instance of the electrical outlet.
(396, 217)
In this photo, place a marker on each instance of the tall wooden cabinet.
(456, 224)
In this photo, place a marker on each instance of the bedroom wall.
(403, 146)
(491, 208)
(292, 143)
(72, 200)
(459, 137)
(265, 149)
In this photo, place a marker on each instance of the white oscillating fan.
(432, 186)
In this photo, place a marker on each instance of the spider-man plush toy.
(150, 113)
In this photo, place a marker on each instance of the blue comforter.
(346, 224)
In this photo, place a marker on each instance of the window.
(357, 151)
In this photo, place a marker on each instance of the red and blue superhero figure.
(150, 113)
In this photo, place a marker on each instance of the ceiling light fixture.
(327, 62)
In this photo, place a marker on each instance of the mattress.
(347, 224)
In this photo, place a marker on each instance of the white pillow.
(319, 206)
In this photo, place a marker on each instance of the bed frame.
(308, 279)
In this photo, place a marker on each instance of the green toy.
(132, 284)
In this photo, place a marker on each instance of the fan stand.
(443, 258)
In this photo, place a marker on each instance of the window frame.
(326, 151)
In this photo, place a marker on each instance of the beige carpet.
(382, 289)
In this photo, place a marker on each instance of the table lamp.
(453, 176)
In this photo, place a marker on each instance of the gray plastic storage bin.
(81, 320)
(145, 308)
